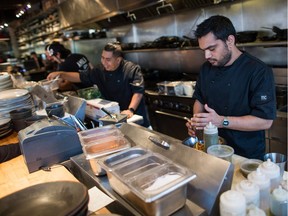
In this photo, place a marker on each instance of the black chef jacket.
(75, 62)
(244, 88)
(119, 85)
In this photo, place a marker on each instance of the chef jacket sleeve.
(263, 96)
(137, 80)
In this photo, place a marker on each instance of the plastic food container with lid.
(100, 142)
(221, 151)
(149, 181)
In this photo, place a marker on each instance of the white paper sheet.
(97, 200)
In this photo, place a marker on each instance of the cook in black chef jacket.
(235, 91)
(117, 79)
(68, 61)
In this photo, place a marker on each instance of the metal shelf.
(254, 44)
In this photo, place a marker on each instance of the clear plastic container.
(95, 131)
(105, 146)
(221, 151)
(139, 167)
(87, 140)
(121, 158)
(151, 182)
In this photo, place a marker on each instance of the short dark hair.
(115, 48)
(55, 47)
(220, 26)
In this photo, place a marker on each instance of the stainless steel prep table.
(214, 175)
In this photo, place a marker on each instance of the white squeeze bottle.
(279, 202)
(232, 203)
(272, 171)
(210, 135)
(263, 182)
(251, 192)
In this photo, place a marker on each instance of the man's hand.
(128, 113)
(53, 75)
(200, 120)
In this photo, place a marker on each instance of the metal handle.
(172, 115)
(164, 6)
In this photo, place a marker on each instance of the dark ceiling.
(9, 8)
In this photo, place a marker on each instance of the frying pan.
(246, 36)
(281, 34)
(52, 198)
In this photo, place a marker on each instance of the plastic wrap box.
(93, 108)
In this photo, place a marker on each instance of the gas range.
(169, 102)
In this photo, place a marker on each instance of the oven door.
(171, 124)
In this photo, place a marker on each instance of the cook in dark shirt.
(68, 61)
(235, 91)
(117, 79)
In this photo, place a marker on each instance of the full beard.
(222, 62)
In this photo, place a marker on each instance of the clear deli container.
(124, 156)
(150, 182)
(109, 145)
(96, 131)
(87, 140)
(103, 147)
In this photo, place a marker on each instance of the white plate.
(5, 82)
(4, 121)
(4, 76)
(13, 93)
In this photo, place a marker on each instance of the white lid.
(210, 129)
(256, 212)
(250, 190)
(280, 194)
(232, 201)
(259, 178)
(270, 169)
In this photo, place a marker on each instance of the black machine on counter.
(48, 142)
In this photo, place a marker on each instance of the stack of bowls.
(19, 116)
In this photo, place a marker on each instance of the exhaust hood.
(111, 13)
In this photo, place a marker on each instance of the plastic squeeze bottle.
(272, 171)
(279, 201)
(210, 135)
(263, 183)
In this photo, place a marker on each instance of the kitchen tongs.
(112, 115)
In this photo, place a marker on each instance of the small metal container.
(149, 181)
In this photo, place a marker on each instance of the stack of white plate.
(5, 81)
(13, 99)
(5, 127)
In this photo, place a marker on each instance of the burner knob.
(176, 106)
(156, 102)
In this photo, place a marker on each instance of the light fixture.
(23, 10)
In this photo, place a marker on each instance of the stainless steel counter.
(214, 175)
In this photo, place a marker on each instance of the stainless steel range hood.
(111, 13)
(78, 13)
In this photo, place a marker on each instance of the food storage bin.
(96, 131)
(121, 158)
(102, 144)
(170, 88)
(149, 181)
(86, 140)
(105, 146)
